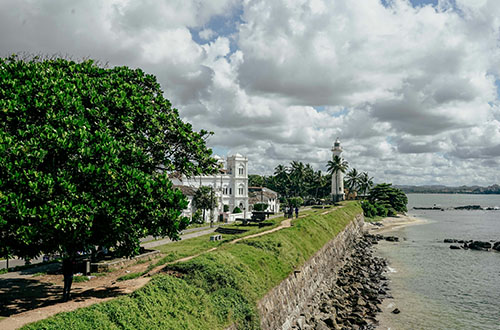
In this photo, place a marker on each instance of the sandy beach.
(393, 223)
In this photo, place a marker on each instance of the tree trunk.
(68, 270)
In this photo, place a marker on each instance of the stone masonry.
(284, 303)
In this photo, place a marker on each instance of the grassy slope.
(192, 246)
(215, 289)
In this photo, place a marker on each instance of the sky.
(411, 88)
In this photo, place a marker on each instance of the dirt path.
(45, 301)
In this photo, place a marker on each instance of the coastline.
(394, 223)
(390, 224)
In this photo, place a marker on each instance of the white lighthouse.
(337, 177)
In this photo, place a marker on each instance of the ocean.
(433, 286)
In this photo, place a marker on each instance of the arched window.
(241, 170)
(241, 190)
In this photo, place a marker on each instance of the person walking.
(296, 212)
(290, 212)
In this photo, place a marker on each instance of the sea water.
(433, 286)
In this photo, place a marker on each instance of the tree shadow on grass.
(20, 295)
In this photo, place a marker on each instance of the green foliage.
(216, 289)
(369, 209)
(374, 210)
(197, 217)
(393, 199)
(352, 180)
(381, 210)
(226, 208)
(237, 210)
(165, 303)
(295, 201)
(205, 198)
(260, 206)
(81, 148)
(255, 180)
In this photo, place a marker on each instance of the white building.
(337, 177)
(230, 184)
(264, 195)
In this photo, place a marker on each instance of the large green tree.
(85, 153)
(388, 196)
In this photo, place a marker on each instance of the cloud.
(410, 91)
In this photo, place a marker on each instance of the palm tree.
(297, 175)
(282, 179)
(337, 164)
(352, 180)
(365, 183)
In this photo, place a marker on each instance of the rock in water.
(396, 311)
(455, 247)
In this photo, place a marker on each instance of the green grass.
(130, 276)
(3, 271)
(216, 289)
(192, 246)
(199, 225)
(99, 274)
(79, 279)
(39, 274)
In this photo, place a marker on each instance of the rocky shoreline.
(473, 245)
(351, 299)
(465, 207)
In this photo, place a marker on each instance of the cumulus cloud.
(410, 90)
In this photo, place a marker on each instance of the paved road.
(149, 243)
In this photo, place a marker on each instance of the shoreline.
(394, 223)
(390, 224)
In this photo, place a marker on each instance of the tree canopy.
(388, 196)
(85, 153)
(205, 199)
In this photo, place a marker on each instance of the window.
(241, 190)
(230, 191)
(225, 190)
(241, 170)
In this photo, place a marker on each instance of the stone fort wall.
(284, 302)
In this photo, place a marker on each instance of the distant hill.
(439, 189)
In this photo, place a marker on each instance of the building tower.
(337, 177)
(238, 168)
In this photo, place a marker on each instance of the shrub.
(295, 201)
(260, 206)
(226, 208)
(381, 210)
(369, 210)
(197, 217)
(236, 210)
